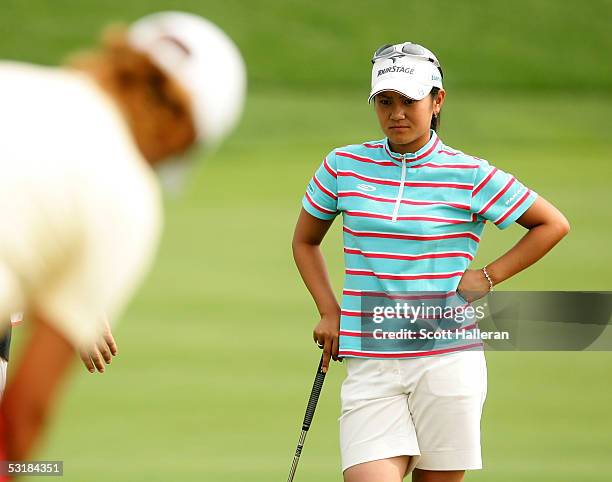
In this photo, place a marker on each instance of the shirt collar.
(422, 155)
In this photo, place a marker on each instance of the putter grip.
(314, 397)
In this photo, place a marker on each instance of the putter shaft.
(310, 410)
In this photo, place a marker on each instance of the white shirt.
(80, 209)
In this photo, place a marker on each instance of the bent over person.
(79, 200)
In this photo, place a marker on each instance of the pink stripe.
(364, 272)
(432, 219)
(429, 151)
(373, 146)
(370, 179)
(368, 334)
(444, 254)
(398, 297)
(324, 189)
(397, 183)
(366, 196)
(366, 314)
(511, 210)
(497, 196)
(421, 156)
(439, 184)
(363, 334)
(447, 166)
(367, 215)
(484, 182)
(418, 297)
(412, 237)
(448, 153)
(359, 314)
(365, 159)
(317, 206)
(403, 201)
(391, 155)
(374, 354)
(329, 169)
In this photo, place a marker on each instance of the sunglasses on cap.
(409, 49)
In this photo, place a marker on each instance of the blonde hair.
(155, 106)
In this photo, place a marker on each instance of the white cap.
(410, 76)
(205, 62)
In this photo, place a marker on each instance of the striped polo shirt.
(411, 224)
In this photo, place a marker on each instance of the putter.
(310, 410)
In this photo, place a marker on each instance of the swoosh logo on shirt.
(366, 187)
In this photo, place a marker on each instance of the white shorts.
(428, 408)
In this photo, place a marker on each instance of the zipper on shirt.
(400, 194)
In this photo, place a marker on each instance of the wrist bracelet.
(484, 270)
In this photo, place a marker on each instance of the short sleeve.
(498, 196)
(321, 197)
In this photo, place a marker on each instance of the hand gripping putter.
(310, 410)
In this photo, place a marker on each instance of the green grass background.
(216, 358)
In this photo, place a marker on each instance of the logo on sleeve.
(515, 195)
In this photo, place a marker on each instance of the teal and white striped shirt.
(411, 223)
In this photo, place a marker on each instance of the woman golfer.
(413, 211)
(80, 206)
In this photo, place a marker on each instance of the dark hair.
(435, 119)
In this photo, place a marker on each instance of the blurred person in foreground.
(5, 345)
(95, 356)
(79, 200)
